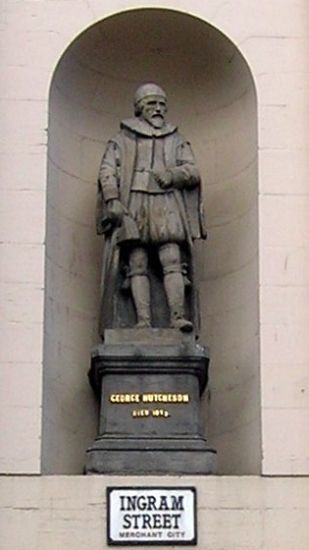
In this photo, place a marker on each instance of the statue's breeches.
(157, 217)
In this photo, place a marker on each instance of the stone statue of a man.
(150, 210)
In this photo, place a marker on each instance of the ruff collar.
(141, 127)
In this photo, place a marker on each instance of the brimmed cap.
(147, 90)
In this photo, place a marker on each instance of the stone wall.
(254, 269)
(271, 37)
(234, 513)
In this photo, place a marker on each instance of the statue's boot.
(141, 296)
(175, 291)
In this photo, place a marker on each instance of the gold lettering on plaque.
(156, 413)
(140, 413)
(127, 398)
(160, 413)
(165, 398)
(124, 398)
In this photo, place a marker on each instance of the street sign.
(151, 515)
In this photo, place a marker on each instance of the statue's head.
(150, 104)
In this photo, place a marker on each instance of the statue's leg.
(138, 263)
(170, 258)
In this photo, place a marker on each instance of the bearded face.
(153, 109)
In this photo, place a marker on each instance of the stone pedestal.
(149, 382)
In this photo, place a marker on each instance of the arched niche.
(212, 98)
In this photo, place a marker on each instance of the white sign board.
(151, 515)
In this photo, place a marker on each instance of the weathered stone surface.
(149, 336)
(163, 457)
(150, 419)
(150, 210)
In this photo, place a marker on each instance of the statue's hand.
(164, 178)
(116, 211)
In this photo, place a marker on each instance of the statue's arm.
(185, 173)
(108, 173)
(110, 211)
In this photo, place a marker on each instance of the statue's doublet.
(137, 150)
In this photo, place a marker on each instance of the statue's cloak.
(116, 309)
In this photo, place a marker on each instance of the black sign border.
(111, 542)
